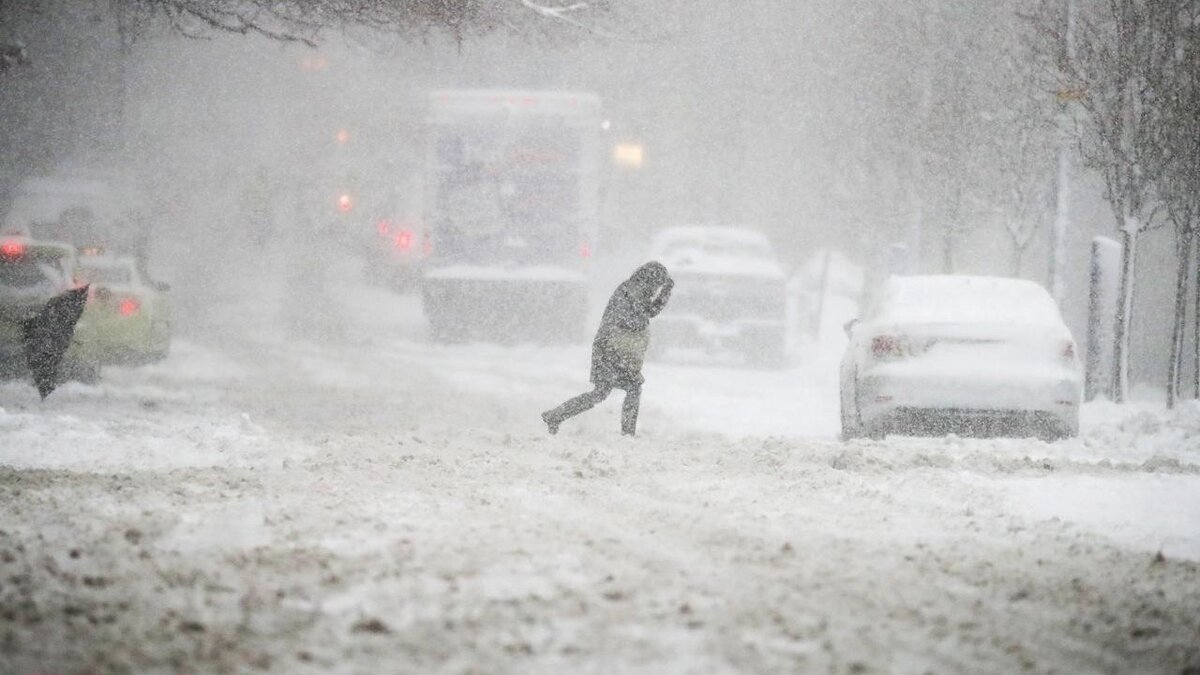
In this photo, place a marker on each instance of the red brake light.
(404, 240)
(129, 307)
(887, 345)
(345, 203)
(585, 250)
(12, 249)
(384, 227)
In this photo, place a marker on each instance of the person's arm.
(628, 312)
(660, 299)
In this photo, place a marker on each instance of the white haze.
(309, 479)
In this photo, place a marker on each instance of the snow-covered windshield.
(716, 250)
(721, 249)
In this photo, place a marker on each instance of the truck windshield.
(507, 191)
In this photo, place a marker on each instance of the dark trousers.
(587, 401)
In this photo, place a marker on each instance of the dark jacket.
(623, 336)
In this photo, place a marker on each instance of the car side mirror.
(849, 326)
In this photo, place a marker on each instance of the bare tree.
(1022, 142)
(1114, 57)
(1025, 197)
(306, 21)
(1174, 87)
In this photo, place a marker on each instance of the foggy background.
(847, 124)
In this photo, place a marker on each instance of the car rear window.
(27, 274)
(955, 299)
(117, 276)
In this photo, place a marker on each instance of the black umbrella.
(48, 335)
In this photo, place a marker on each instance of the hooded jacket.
(623, 337)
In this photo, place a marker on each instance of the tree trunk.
(1178, 328)
(1120, 388)
(1196, 327)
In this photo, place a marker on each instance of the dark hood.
(651, 275)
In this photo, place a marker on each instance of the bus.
(512, 207)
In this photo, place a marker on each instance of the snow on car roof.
(963, 298)
(716, 250)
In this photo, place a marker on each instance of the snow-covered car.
(730, 293)
(31, 273)
(129, 317)
(977, 356)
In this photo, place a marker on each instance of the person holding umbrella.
(47, 336)
(620, 347)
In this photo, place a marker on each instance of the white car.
(974, 356)
(730, 293)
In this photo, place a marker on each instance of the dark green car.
(128, 317)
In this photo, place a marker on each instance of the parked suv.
(730, 293)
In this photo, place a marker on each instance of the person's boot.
(628, 426)
(551, 423)
(629, 412)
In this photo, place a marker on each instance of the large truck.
(512, 207)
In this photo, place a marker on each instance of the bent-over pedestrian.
(620, 346)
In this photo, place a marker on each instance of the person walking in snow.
(620, 346)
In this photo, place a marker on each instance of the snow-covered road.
(368, 503)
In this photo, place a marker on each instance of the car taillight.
(129, 307)
(585, 250)
(1068, 352)
(888, 346)
(345, 203)
(403, 240)
(12, 249)
(384, 227)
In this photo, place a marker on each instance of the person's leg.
(629, 410)
(574, 406)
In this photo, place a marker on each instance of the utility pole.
(1062, 214)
